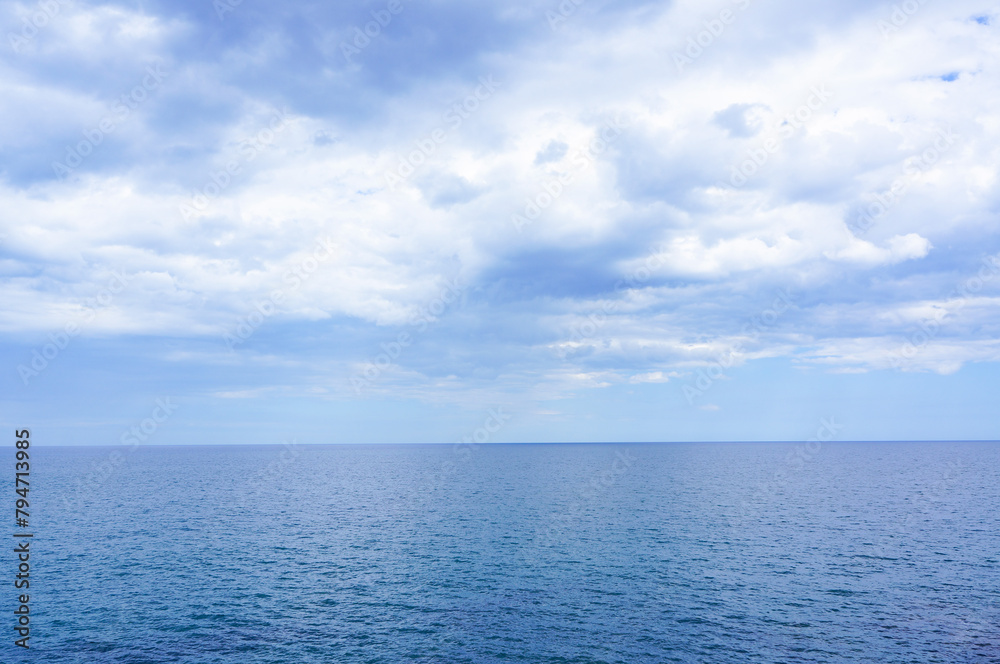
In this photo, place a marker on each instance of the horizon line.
(666, 442)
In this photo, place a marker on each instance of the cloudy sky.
(605, 221)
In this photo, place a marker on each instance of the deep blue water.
(580, 554)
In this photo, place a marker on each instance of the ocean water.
(713, 553)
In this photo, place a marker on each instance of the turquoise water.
(581, 554)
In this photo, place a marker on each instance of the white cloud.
(654, 187)
(653, 377)
(900, 248)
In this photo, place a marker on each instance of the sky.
(396, 221)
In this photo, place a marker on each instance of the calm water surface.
(580, 554)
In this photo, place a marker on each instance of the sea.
(710, 553)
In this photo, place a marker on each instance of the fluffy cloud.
(611, 216)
